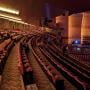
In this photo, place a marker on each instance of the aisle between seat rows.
(11, 77)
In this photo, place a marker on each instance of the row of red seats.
(70, 76)
(4, 44)
(4, 54)
(27, 70)
(20, 65)
(81, 57)
(67, 63)
(70, 67)
(49, 70)
(50, 57)
(71, 60)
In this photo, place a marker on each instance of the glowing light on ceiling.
(10, 17)
(12, 11)
(13, 20)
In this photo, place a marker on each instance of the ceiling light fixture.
(12, 11)
(13, 20)
(10, 17)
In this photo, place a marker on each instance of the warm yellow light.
(13, 20)
(10, 17)
(9, 10)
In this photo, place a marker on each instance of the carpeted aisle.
(11, 78)
(40, 78)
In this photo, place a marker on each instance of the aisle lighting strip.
(11, 17)
(9, 10)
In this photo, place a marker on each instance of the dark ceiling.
(30, 9)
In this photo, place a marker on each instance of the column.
(74, 33)
(85, 31)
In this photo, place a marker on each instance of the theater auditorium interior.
(44, 44)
